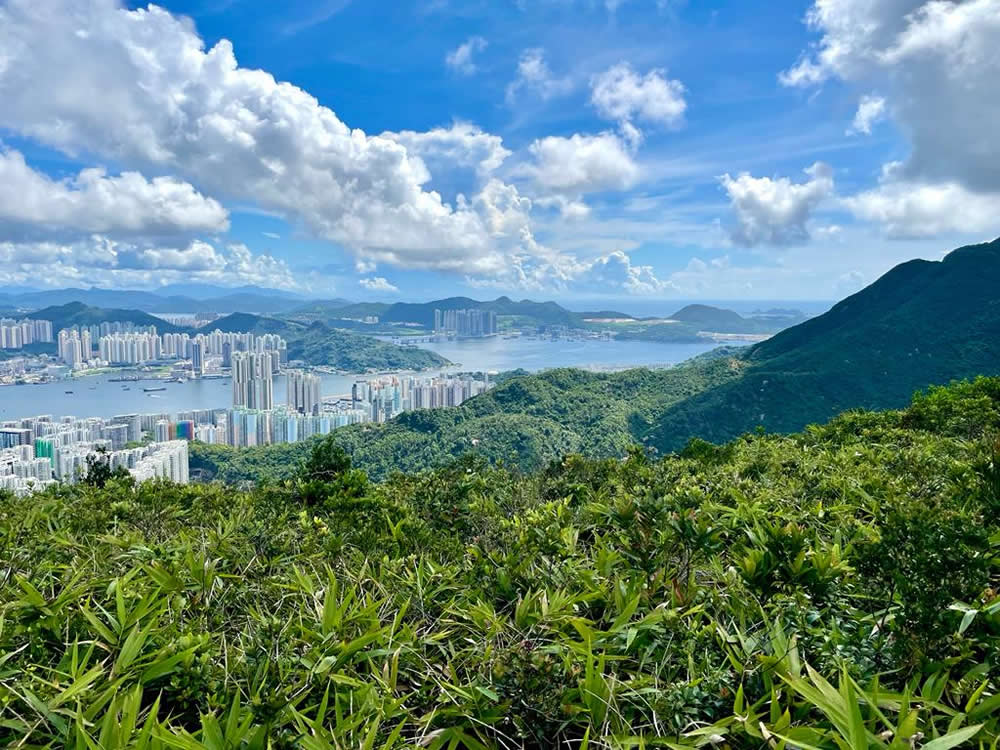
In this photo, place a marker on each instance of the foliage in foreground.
(833, 589)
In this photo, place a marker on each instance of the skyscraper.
(198, 358)
(253, 387)
(304, 392)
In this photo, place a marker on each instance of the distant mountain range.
(176, 298)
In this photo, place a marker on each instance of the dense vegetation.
(526, 421)
(317, 344)
(831, 589)
(923, 323)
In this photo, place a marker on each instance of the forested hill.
(318, 344)
(77, 314)
(830, 589)
(922, 323)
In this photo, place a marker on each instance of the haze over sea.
(98, 396)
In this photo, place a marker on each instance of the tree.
(326, 461)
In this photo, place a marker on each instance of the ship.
(151, 390)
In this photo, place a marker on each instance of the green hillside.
(923, 323)
(318, 344)
(831, 589)
(77, 313)
(526, 421)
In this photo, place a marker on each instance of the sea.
(100, 396)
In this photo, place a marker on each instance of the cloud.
(775, 211)
(461, 145)
(582, 164)
(568, 208)
(871, 109)
(907, 210)
(620, 93)
(460, 59)
(93, 201)
(139, 87)
(615, 271)
(272, 235)
(534, 75)
(378, 284)
(99, 260)
(936, 62)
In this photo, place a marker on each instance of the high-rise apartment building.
(304, 392)
(198, 358)
(466, 323)
(253, 386)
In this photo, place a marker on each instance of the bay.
(98, 396)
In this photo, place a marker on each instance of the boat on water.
(151, 390)
(69, 391)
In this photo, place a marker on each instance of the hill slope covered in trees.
(317, 344)
(778, 589)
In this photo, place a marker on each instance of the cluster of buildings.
(306, 413)
(38, 451)
(382, 398)
(465, 323)
(16, 334)
(126, 344)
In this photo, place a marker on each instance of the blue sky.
(566, 149)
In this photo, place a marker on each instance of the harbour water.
(99, 396)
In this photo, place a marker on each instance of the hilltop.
(318, 344)
(77, 314)
(692, 322)
(922, 323)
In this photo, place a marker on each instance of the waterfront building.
(253, 386)
(465, 323)
(304, 392)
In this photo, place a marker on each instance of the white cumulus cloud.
(909, 210)
(620, 93)
(582, 164)
(775, 211)
(461, 145)
(93, 201)
(937, 62)
(140, 87)
(100, 260)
